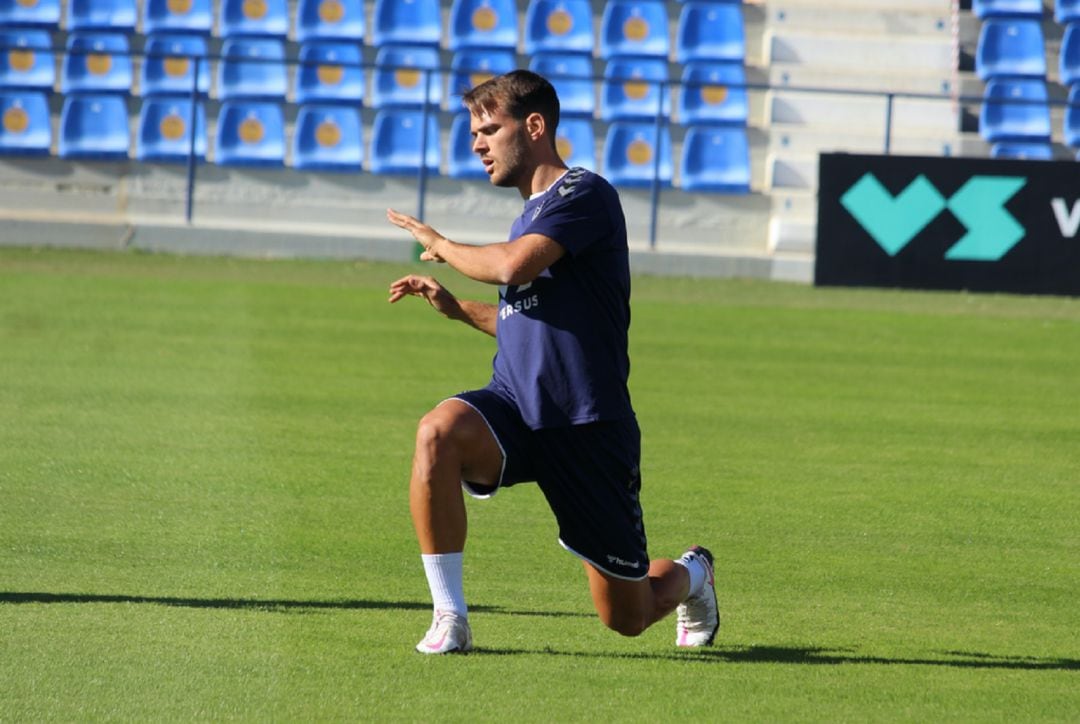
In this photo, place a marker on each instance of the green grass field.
(203, 514)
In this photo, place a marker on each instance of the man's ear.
(535, 125)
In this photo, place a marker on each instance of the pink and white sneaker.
(697, 618)
(449, 634)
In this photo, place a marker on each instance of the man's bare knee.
(624, 624)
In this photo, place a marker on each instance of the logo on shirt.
(521, 305)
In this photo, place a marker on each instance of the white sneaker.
(697, 617)
(449, 634)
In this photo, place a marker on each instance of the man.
(557, 410)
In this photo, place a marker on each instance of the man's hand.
(428, 237)
(430, 290)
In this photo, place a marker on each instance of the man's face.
(502, 144)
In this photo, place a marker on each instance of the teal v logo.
(893, 221)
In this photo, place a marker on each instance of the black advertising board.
(949, 223)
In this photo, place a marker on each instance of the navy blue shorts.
(589, 474)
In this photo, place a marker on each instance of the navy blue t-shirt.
(562, 339)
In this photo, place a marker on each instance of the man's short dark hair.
(517, 93)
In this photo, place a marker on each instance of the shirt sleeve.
(575, 216)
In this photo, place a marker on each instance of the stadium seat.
(97, 62)
(571, 74)
(1015, 110)
(461, 161)
(559, 26)
(330, 72)
(711, 93)
(710, 31)
(1007, 8)
(165, 131)
(1072, 118)
(328, 138)
(1010, 47)
(397, 140)
(634, 28)
(403, 22)
(470, 68)
(715, 158)
(576, 142)
(1069, 57)
(252, 68)
(253, 18)
(632, 88)
(41, 14)
(341, 20)
(115, 15)
(1067, 11)
(1022, 151)
(177, 16)
(401, 74)
(630, 154)
(94, 127)
(25, 127)
(483, 24)
(26, 60)
(250, 133)
(168, 67)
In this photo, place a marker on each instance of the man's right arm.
(479, 315)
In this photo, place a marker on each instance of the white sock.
(696, 569)
(444, 576)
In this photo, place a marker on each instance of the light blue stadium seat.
(571, 74)
(25, 128)
(710, 31)
(634, 28)
(250, 133)
(630, 154)
(1010, 47)
(252, 68)
(177, 16)
(635, 88)
(711, 93)
(39, 13)
(483, 24)
(97, 62)
(1067, 11)
(115, 15)
(27, 59)
(165, 131)
(559, 26)
(1072, 118)
(1069, 57)
(328, 138)
(94, 127)
(341, 20)
(470, 68)
(396, 142)
(247, 18)
(330, 72)
(461, 161)
(1023, 150)
(576, 142)
(168, 67)
(1015, 110)
(716, 158)
(397, 22)
(1007, 8)
(404, 75)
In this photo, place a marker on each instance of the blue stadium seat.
(470, 68)
(398, 22)
(330, 72)
(630, 154)
(247, 18)
(26, 60)
(252, 68)
(97, 62)
(576, 142)
(341, 20)
(571, 74)
(483, 24)
(1069, 57)
(559, 26)
(168, 67)
(461, 161)
(94, 127)
(711, 93)
(1067, 11)
(401, 74)
(1015, 110)
(25, 127)
(115, 15)
(250, 133)
(165, 131)
(177, 16)
(715, 158)
(710, 31)
(396, 142)
(328, 138)
(41, 14)
(1072, 118)
(1010, 47)
(1007, 8)
(635, 88)
(634, 28)
(1022, 150)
